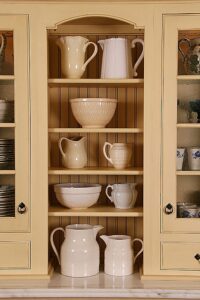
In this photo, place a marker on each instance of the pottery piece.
(123, 195)
(119, 154)
(77, 195)
(93, 112)
(119, 257)
(75, 155)
(73, 51)
(194, 158)
(179, 158)
(117, 58)
(79, 254)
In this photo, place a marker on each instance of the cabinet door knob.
(21, 208)
(169, 209)
(197, 257)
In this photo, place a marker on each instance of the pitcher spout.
(101, 43)
(96, 229)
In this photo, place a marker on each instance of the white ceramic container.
(194, 158)
(74, 155)
(79, 254)
(119, 154)
(123, 195)
(77, 195)
(179, 158)
(93, 112)
(117, 58)
(119, 256)
(73, 50)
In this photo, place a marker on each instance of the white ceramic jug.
(74, 156)
(119, 257)
(123, 195)
(73, 50)
(117, 60)
(79, 254)
(119, 154)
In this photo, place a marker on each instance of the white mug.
(194, 158)
(119, 154)
(123, 195)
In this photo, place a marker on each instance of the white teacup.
(123, 195)
(194, 158)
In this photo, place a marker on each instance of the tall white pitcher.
(73, 50)
(117, 59)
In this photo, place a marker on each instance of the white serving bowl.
(93, 112)
(77, 195)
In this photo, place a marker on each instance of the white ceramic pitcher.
(119, 154)
(79, 254)
(73, 50)
(74, 156)
(123, 195)
(119, 257)
(117, 58)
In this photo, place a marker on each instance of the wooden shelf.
(7, 172)
(95, 171)
(97, 130)
(7, 77)
(188, 173)
(7, 125)
(96, 211)
(188, 78)
(188, 125)
(55, 82)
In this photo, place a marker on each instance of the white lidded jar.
(119, 256)
(79, 254)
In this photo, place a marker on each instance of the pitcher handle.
(92, 56)
(60, 145)
(185, 40)
(141, 250)
(140, 57)
(104, 151)
(109, 197)
(2, 43)
(52, 242)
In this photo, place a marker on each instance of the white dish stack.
(7, 154)
(6, 111)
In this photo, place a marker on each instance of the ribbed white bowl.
(77, 195)
(93, 112)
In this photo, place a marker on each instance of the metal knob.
(21, 208)
(197, 257)
(169, 209)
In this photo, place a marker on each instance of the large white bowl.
(77, 195)
(93, 112)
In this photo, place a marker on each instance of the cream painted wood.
(169, 180)
(180, 256)
(19, 26)
(15, 255)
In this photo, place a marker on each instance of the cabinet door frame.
(18, 24)
(171, 24)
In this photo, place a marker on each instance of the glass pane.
(6, 53)
(6, 101)
(188, 127)
(7, 196)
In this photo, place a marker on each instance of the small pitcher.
(123, 195)
(119, 256)
(73, 50)
(119, 154)
(75, 155)
(79, 254)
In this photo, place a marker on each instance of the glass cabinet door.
(14, 125)
(180, 200)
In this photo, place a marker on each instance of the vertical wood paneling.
(129, 113)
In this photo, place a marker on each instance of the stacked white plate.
(6, 111)
(7, 201)
(7, 154)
